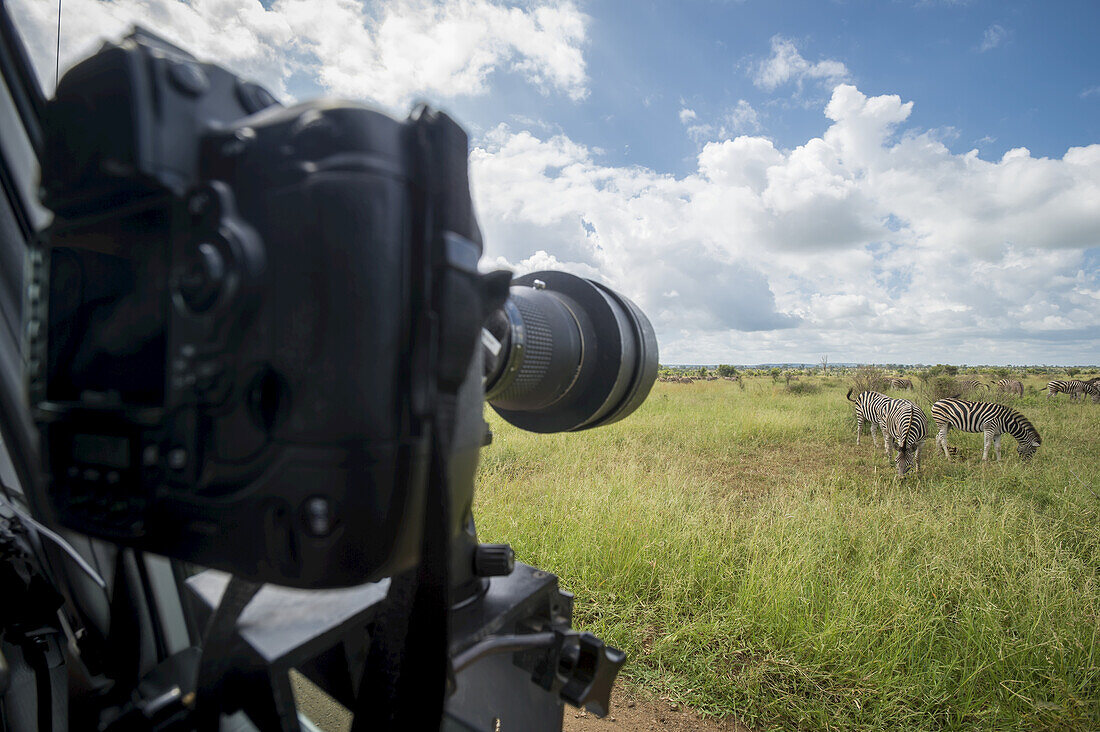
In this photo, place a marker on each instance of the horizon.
(851, 364)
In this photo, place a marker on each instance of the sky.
(905, 181)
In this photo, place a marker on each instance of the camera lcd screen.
(109, 450)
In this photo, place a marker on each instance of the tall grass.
(753, 561)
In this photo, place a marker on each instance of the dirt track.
(628, 714)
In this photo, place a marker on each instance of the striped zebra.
(906, 429)
(870, 408)
(971, 384)
(896, 383)
(1075, 388)
(1010, 386)
(988, 417)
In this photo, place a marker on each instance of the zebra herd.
(1075, 388)
(904, 426)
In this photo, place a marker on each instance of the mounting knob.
(494, 560)
(590, 668)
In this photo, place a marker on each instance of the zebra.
(1075, 388)
(907, 428)
(870, 408)
(971, 384)
(1010, 386)
(896, 383)
(988, 417)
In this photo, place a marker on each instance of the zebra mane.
(1022, 421)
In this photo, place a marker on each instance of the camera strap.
(404, 684)
(405, 680)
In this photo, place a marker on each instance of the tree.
(825, 364)
(726, 370)
(702, 372)
(775, 373)
(1073, 371)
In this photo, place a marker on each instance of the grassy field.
(753, 561)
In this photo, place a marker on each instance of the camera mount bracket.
(509, 647)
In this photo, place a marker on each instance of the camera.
(258, 341)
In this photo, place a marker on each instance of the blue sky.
(990, 75)
(770, 181)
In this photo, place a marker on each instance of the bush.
(868, 378)
(939, 387)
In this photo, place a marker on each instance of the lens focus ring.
(537, 343)
(545, 351)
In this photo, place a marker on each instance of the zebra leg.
(859, 428)
(916, 455)
(997, 447)
(985, 452)
(941, 441)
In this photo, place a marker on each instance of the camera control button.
(177, 458)
(200, 278)
(319, 516)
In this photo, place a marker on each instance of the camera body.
(235, 352)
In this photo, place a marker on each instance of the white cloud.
(740, 119)
(786, 65)
(870, 241)
(391, 54)
(995, 35)
(1092, 91)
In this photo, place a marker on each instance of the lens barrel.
(572, 354)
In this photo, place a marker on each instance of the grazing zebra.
(1075, 388)
(870, 408)
(971, 384)
(988, 417)
(896, 383)
(1010, 386)
(906, 428)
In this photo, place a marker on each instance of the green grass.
(753, 561)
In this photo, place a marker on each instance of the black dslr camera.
(258, 341)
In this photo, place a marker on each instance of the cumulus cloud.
(870, 240)
(390, 53)
(786, 65)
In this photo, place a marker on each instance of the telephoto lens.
(566, 353)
